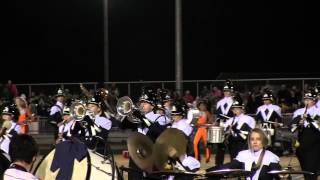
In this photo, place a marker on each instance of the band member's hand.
(234, 129)
(137, 114)
(309, 119)
(201, 172)
(284, 176)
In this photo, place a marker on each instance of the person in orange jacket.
(205, 118)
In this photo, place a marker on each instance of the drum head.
(93, 166)
(80, 169)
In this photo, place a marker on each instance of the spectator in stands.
(295, 97)
(188, 98)
(204, 92)
(284, 97)
(114, 90)
(12, 89)
(216, 93)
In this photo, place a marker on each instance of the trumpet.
(78, 111)
(125, 107)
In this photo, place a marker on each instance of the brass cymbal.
(140, 150)
(171, 138)
(175, 138)
(228, 173)
(288, 171)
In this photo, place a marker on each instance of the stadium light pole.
(106, 69)
(178, 47)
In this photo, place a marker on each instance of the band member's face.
(60, 98)
(308, 102)
(167, 104)
(256, 141)
(237, 111)
(226, 93)
(146, 107)
(66, 117)
(266, 102)
(6, 117)
(94, 108)
(176, 118)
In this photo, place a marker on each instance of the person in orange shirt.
(205, 118)
(24, 114)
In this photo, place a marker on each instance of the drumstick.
(280, 124)
(225, 116)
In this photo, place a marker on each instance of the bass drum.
(93, 166)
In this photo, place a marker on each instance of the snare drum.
(93, 166)
(215, 134)
(267, 128)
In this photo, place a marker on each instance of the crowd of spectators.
(287, 97)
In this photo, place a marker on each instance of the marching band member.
(306, 123)
(56, 112)
(23, 153)
(205, 118)
(66, 125)
(152, 124)
(268, 113)
(317, 89)
(256, 159)
(238, 128)
(183, 162)
(178, 113)
(10, 128)
(102, 124)
(223, 112)
(154, 121)
(167, 100)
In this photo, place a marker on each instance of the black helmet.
(148, 95)
(179, 108)
(311, 93)
(60, 93)
(66, 110)
(228, 86)
(267, 95)
(11, 110)
(237, 102)
(97, 100)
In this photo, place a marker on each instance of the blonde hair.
(262, 135)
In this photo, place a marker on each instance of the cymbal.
(170, 138)
(140, 150)
(175, 138)
(286, 171)
(228, 173)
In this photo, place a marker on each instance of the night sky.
(62, 40)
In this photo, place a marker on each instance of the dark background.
(62, 40)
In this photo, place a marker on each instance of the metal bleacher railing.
(132, 88)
